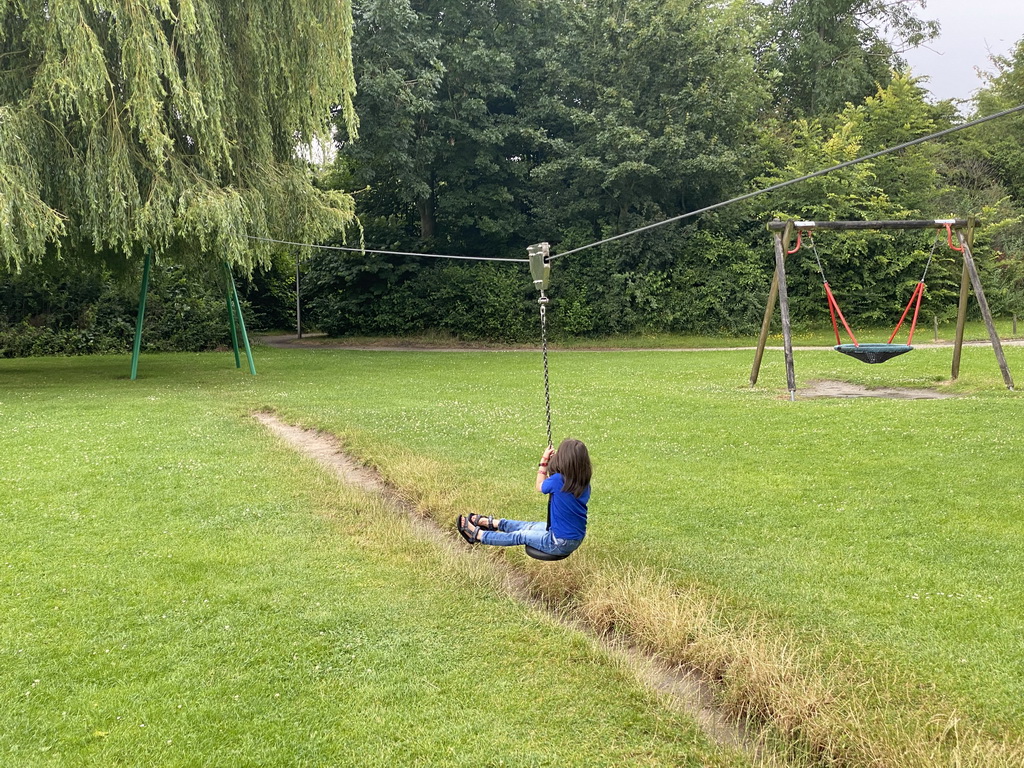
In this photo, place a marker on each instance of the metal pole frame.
(298, 296)
(233, 289)
(137, 346)
(231, 315)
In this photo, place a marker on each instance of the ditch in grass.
(813, 710)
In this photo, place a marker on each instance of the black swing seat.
(540, 554)
(873, 353)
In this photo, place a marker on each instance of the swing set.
(874, 352)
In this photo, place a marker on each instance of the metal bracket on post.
(540, 268)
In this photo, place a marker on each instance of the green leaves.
(831, 52)
(27, 223)
(168, 126)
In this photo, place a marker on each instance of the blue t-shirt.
(568, 514)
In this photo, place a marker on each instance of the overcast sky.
(971, 31)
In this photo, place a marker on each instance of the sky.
(971, 30)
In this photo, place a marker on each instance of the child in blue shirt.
(564, 475)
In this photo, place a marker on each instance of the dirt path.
(686, 690)
(828, 388)
(321, 341)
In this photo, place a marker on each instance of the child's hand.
(548, 453)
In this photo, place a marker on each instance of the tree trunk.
(426, 211)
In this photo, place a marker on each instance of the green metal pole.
(231, 315)
(142, 313)
(241, 320)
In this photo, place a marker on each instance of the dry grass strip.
(808, 711)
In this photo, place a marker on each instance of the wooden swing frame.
(783, 232)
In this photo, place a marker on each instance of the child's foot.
(471, 533)
(487, 523)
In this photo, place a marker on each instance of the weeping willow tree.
(170, 125)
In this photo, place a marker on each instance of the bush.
(356, 295)
(70, 308)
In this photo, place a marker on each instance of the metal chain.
(935, 244)
(821, 269)
(542, 301)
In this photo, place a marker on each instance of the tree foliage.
(443, 88)
(488, 126)
(492, 126)
(830, 52)
(651, 111)
(170, 125)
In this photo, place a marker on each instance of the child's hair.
(573, 460)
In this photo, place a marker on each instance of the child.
(569, 489)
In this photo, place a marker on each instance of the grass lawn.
(202, 561)
(890, 528)
(178, 588)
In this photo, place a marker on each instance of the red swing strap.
(915, 301)
(833, 305)
(916, 296)
(833, 310)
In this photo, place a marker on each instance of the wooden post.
(769, 310)
(762, 340)
(298, 299)
(778, 226)
(986, 313)
(961, 320)
(787, 335)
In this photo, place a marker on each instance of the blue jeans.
(513, 533)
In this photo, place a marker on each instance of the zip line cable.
(783, 184)
(383, 253)
(689, 215)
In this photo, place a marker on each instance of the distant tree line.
(485, 127)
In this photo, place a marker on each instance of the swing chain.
(817, 258)
(543, 301)
(931, 254)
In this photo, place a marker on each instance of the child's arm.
(542, 468)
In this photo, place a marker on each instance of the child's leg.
(517, 532)
(510, 526)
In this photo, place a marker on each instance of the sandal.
(468, 531)
(478, 521)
